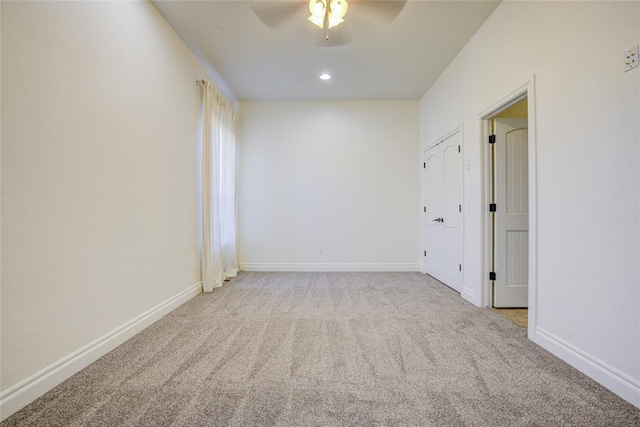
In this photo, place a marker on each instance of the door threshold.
(519, 316)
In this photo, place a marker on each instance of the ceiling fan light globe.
(339, 8)
(317, 21)
(333, 21)
(317, 7)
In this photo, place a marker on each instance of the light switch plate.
(631, 58)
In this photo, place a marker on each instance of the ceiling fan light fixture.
(327, 13)
(317, 21)
(333, 21)
(318, 9)
(339, 8)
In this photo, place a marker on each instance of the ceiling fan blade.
(274, 14)
(379, 11)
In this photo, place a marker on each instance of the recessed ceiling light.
(325, 76)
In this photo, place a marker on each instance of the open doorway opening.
(508, 167)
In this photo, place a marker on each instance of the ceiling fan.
(328, 14)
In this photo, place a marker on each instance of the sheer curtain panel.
(219, 124)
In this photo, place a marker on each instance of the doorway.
(508, 216)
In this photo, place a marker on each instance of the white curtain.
(219, 124)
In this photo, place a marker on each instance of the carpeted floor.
(329, 349)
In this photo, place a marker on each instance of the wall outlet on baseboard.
(631, 58)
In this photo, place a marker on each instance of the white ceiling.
(399, 60)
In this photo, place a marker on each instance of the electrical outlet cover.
(631, 58)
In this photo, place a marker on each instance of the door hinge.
(424, 209)
(459, 208)
(459, 267)
(492, 275)
(424, 165)
(493, 207)
(458, 148)
(425, 253)
(492, 139)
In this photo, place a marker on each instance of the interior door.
(511, 232)
(443, 211)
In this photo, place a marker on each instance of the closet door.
(443, 211)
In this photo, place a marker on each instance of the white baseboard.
(471, 296)
(618, 382)
(330, 267)
(25, 392)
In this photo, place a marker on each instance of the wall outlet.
(320, 250)
(196, 266)
(631, 58)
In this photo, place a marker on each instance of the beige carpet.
(329, 349)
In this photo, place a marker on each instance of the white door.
(443, 212)
(511, 259)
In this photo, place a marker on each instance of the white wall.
(588, 138)
(338, 175)
(99, 136)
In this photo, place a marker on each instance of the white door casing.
(511, 256)
(443, 211)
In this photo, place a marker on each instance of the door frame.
(423, 195)
(527, 90)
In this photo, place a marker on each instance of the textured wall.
(99, 137)
(587, 135)
(342, 176)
